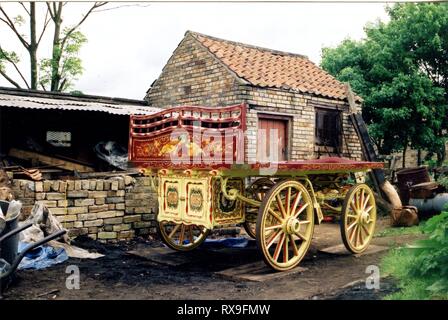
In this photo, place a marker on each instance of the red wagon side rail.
(188, 137)
(323, 165)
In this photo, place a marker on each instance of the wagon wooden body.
(197, 156)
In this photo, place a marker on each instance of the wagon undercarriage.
(279, 211)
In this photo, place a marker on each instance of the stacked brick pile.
(117, 208)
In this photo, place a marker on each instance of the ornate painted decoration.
(172, 197)
(196, 199)
(225, 210)
(188, 137)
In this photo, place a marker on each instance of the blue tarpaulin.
(42, 257)
(226, 243)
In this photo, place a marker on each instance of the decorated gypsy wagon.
(205, 180)
(274, 150)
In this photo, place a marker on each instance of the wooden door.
(270, 123)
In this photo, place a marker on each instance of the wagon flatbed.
(327, 165)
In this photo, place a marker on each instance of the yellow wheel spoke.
(354, 216)
(279, 247)
(288, 202)
(361, 200)
(366, 202)
(275, 215)
(361, 236)
(301, 236)
(182, 234)
(191, 235)
(174, 231)
(353, 233)
(301, 210)
(273, 227)
(368, 209)
(359, 242)
(280, 205)
(294, 246)
(351, 226)
(273, 238)
(296, 201)
(365, 230)
(285, 250)
(304, 222)
(353, 205)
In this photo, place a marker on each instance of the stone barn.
(284, 91)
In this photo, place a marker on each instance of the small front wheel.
(285, 225)
(256, 191)
(358, 218)
(181, 237)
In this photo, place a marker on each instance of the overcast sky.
(128, 47)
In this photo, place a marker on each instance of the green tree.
(400, 69)
(58, 72)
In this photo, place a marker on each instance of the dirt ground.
(120, 275)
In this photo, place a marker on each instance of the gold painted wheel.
(257, 190)
(358, 218)
(181, 237)
(285, 225)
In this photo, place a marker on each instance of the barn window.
(328, 128)
(59, 138)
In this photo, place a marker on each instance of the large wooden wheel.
(181, 237)
(358, 218)
(256, 191)
(285, 225)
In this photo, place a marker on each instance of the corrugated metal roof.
(31, 102)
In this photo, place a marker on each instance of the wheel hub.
(365, 218)
(292, 225)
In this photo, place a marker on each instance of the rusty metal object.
(409, 177)
(425, 190)
(405, 216)
(431, 206)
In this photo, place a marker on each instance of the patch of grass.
(398, 263)
(421, 269)
(401, 231)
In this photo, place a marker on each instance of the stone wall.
(192, 76)
(118, 208)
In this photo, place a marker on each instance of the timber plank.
(342, 251)
(162, 255)
(64, 164)
(257, 272)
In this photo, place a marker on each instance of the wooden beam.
(366, 144)
(63, 164)
(129, 172)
